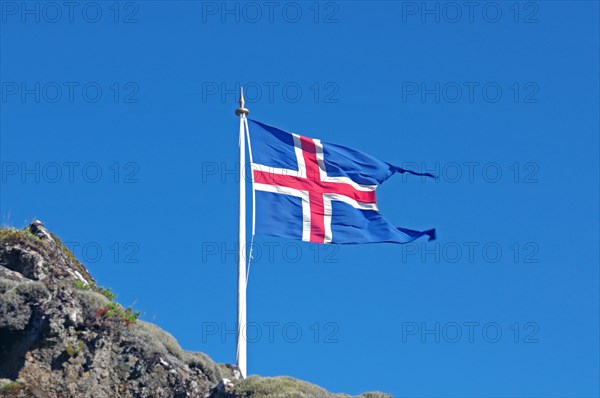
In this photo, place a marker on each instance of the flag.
(315, 191)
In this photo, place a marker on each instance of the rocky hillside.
(63, 336)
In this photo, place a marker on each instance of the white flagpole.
(241, 326)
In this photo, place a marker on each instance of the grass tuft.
(115, 311)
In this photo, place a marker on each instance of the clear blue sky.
(117, 131)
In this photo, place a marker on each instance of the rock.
(37, 228)
(62, 336)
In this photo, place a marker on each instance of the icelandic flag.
(316, 191)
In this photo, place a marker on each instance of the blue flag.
(315, 191)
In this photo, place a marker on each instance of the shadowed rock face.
(61, 337)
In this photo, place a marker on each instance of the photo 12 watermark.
(69, 92)
(70, 12)
(69, 172)
(473, 172)
(289, 12)
(318, 92)
(267, 252)
(126, 252)
(470, 332)
(452, 172)
(470, 92)
(290, 332)
(470, 252)
(452, 12)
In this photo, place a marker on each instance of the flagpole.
(242, 112)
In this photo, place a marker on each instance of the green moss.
(11, 233)
(91, 299)
(287, 387)
(13, 389)
(225, 371)
(6, 285)
(73, 350)
(205, 364)
(278, 387)
(155, 340)
(106, 292)
(28, 234)
(14, 235)
(17, 293)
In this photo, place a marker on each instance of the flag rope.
(250, 258)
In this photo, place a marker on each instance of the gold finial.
(241, 110)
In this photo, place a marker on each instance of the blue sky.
(117, 130)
